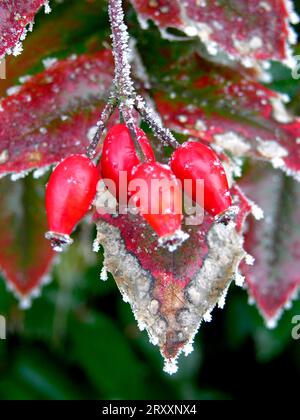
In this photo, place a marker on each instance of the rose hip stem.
(123, 94)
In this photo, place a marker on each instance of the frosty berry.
(69, 195)
(119, 153)
(160, 203)
(197, 161)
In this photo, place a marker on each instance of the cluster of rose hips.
(72, 186)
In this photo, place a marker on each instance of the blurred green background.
(80, 340)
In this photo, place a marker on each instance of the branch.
(120, 39)
(155, 123)
(123, 93)
(105, 116)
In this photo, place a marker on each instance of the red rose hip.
(160, 203)
(119, 153)
(197, 161)
(69, 195)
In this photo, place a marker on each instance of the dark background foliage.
(80, 340)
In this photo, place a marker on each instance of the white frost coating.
(96, 246)
(233, 143)
(36, 293)
(38, 173)
(49, 62)
(249, 259)
(285, 97)
(172, 243)
(92, 132)
(222, 300)
(19, 175)
(25, 303)
(257, 212)
(46, 279)
(245, 48)
(170, 366)
(47, 8)
(200, 125)
(238, 167)
(171, 37)
(251, 300)
(239, 279)
(255, 43)
(191, 31)
(104, 274)
(9, 286)
(13, 90)
(277, 163)
(143, 22)
(293, 16)
(200, 29)
(207, 317)
(272, 323)
(18, 49)
(280, 113)
(288, 305)
(266, 6)
(271, 149)
(290, 61)
(24, 79)
(120, 42)
(188, 348)
(4, 156)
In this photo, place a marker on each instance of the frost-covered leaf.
(274, 242)
(71, 27)
(15, 18)
(171, 292)
(249, 30)
(234, 113)
(25, 255)
(51, 115)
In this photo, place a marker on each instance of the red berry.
(168, 217)
(196, 161)
(119, 153)
(70, 192)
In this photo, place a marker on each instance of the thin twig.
(124, 94)
(123, 81)
(120, 37)
(105, 116)
(155, 124)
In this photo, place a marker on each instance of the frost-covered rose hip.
(119, 153)
(69, 195)
(160, 203)
(196, 161)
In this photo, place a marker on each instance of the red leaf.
(73, 26)
(49, 117)
(171, 292)
(274, 242)
(25, 256)
(237, 114)
(249, 30)
(14, 18)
